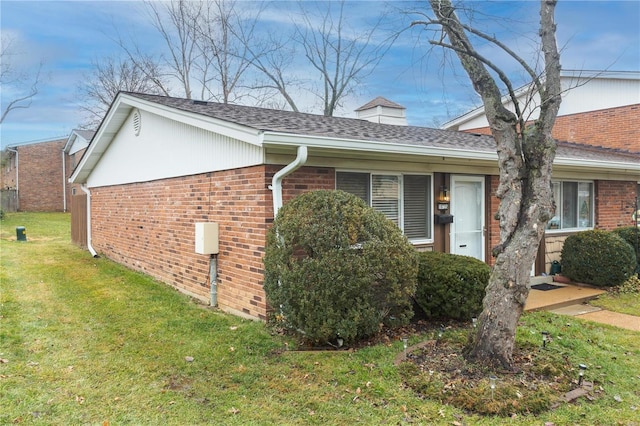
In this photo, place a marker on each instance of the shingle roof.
(296, 123)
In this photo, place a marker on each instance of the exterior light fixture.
(474, 322)
(443, 199)
(545, 338)
(405, 342)
(582, 367)
(492, 384)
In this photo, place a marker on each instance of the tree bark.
(525, 157)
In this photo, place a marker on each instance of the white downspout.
(17, 177)
(276, 183)
(89, 246)
(64, 183)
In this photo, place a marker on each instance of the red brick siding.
(40, 176)
(614, 203)
(150, 227)
(617, 128)
(493, 224)
(612, 128)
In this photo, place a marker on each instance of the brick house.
(37, 173)
(34, 172)
(598, 108)
(157, 166)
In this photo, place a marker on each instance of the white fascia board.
(225, 128)
(318, 142)
(632, 168)
(121, 109)
(110, 125)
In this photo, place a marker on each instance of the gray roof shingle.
(296, 123)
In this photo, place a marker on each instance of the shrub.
(630, 286)
(335, 267)
(451, 286)
(631, 234)
(597, 257)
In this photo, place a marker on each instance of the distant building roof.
(380, 101)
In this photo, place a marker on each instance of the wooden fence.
(79, 219)
(9, 200)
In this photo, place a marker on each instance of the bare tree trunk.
(525, 157)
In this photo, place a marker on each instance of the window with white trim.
(574, 205)
(404, 199)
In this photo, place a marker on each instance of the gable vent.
(137, 122)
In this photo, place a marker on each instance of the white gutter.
(276, 183)
(89, 246)
(17, 177)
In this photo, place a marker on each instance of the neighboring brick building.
(159, 165)
(38, 172)
(598, 108)
(35, 172)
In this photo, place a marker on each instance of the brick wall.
(617, 128)
(150, 227)
(493, 227)
(40, 176)
(614, 203)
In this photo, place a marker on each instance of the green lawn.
(86, 341)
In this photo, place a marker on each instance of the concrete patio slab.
(629, 322)
(574, 310)
(566, 295)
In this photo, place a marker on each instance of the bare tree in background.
(342, 59)
(20, 85)
(110, 76)
(225, 58)
(525, 157)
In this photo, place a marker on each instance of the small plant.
(335, 269)
(451, 286)
(630, 286)
(597, 257)
(1, 214)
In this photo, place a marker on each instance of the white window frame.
(430, 201)
(559, 205)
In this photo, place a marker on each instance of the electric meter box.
(207, 238)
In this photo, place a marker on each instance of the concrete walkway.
(572, 300)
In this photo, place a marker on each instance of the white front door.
(467, 208)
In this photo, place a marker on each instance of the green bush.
(335, 267)
(631, 234)
(597, 257)
(451, 286)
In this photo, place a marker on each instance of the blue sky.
(67, 35)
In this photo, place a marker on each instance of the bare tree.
(110, 76)
(341, 59)
(525, 156)
(225, 58)
(24, 85)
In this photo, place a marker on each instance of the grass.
(86, 341)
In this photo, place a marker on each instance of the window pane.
(569, 204)
(354, 183)
(554, 223)
(385, 195)
(416, 207)
(584, 205)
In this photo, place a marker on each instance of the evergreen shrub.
(631, 234)
(336, 268)
(597, 257)
(451, 286)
